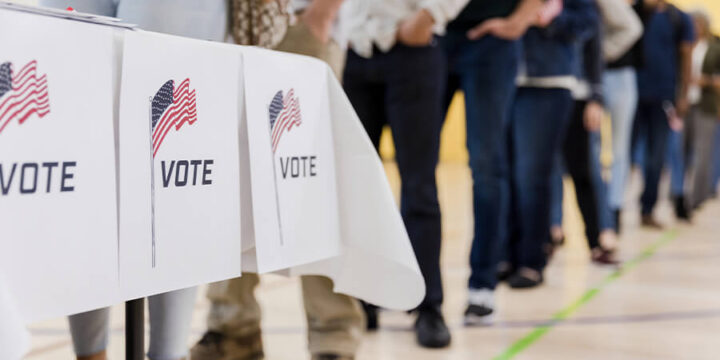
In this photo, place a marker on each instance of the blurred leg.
(656, 130)
(233, 321)
(90, 332)
(415, 86)
(365, 87)
(705, 126)
(676, 160)
(335, 321)
(486, 76)
(621, 97)
(170, 318)
(577, 154)
(539, 119)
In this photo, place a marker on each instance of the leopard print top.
(259, 22)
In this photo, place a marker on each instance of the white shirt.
(698, 58)
(375, 22)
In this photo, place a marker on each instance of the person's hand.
(714, 82)
(681, 107)
(550, 10)
(504, 28)
(416, 30)
(318, 22)
(675, 122)
(593, 116)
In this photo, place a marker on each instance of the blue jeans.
(538, 122)
(485, 71)
(676, 157)
(403, 88)
(652, 127)
(556, 210)
(620, 90)
(170, 317)
(206, 20)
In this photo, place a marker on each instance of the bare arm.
(622, 28)
(443, 11)
(511, 27)
(320, 16)
(685, 76)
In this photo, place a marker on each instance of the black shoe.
(332, 357)
(682, 212)
(602, 256)
(371, 314)
(525, 278)
(431, 330)
(649, 221)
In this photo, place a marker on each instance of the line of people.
(538, 78)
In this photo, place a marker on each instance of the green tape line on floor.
(537, 333)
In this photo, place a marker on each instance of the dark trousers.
(583, 165)
(538, 122)
(485, 71)
(651, 125)
(404, 88)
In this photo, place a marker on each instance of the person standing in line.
(395, 75)
(716, 165)
(482, 53)
(621, 31)
(540, 114)
(703, 116)
(663, 82)
(581, 148)
(335, 321)
(170, 313)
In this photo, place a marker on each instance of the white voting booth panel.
(179, 163)
(352, 212)
(292, 162)
(223, 150)
(58, 211)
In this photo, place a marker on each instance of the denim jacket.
(551, 51)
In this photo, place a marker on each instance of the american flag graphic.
(22, 94)
(171, 108)
(284, 115)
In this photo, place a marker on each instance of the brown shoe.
(649, 221)
(216, 346)
(602, 256)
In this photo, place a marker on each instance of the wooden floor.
(665, 305)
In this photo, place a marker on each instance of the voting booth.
(134, 163)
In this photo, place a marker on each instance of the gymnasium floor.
(665, 304)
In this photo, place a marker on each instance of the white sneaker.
(481, 307)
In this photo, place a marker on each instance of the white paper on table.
(14, 337)
(191, 89)
(378, 263)
(294, 195)
(61, 241)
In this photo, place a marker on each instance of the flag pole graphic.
(152, 186)
(277, 197)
